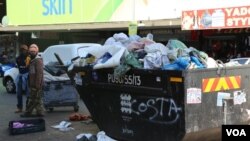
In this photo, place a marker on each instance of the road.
(8, 106)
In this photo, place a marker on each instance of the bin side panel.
(126, 115)
(213, 99)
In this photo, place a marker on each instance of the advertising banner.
(218, 18)
(35, 12)
(40, 12)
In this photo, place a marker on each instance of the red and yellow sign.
(219, 18)
(221, 83)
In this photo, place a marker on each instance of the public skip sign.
(231, 17)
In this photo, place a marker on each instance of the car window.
(241, 60)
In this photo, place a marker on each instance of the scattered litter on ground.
(101, 136)
(79, 117)
(63, 126)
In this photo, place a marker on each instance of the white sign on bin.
(193, 95)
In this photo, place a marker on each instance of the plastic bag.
(101, 136)
(176, 44)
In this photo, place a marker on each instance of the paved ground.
(8, 106)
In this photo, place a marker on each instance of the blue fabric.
(22, 79)
(197, 62)
(173, 66)
(183, 62)
(21, 85)
(180, 63)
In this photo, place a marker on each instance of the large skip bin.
(163, 105)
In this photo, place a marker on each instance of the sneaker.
(18, 110)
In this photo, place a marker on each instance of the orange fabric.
(27, 61)
(78, 117)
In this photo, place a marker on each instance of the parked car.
(65, 51)
(5, 67)
(9, 79)
(242, 61)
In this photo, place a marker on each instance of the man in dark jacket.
(22, 61)
(35, 83)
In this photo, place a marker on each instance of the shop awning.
(91, 26)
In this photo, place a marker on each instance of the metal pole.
(225, 111)
(133, 10)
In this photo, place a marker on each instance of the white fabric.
(121, 37)
(110, 41)
(211, 63)
(155, 47)
(48, 77)
(134, 38)
(154, 60)
(87, 135)
(150, 36)
(63, 126)
(116, 51)
(157, 55)
(101, 136)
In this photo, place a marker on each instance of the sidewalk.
(8, 106)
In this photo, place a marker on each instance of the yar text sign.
(230, 17)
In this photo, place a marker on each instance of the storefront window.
(7, 48)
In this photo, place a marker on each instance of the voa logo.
(236, 132)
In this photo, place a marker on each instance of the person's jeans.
(20, 90)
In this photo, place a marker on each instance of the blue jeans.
(22, 87)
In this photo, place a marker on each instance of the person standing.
(35, 83)
(22, 62)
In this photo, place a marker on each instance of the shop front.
(8, 48)
(50, 22)
(225, 31)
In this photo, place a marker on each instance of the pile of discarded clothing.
(123, 53)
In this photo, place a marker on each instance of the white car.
(9, 79)
(65, 51)
(242, 61)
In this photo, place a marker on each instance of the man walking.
(22, 61)
(35, 83)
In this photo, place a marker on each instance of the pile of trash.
(52, 72)
(123, 53)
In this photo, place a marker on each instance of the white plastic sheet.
(116, 51)
(48, 77)
(101, 136)
(63, 126)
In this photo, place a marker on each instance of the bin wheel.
(76, 108)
